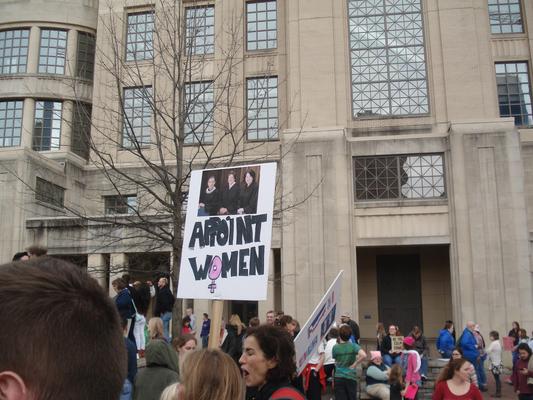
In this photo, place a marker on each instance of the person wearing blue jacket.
(446, 341)
(468, 344)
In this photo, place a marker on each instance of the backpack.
(287, 393)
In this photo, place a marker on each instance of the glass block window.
(261, 25)
(505, 16)
(49, 192)
(398, 177)
(81, 129)
(137, 116)
(47, 125)
(14, 51)
(120, 204)
(53, 51)
(388, 62)
(86, 52)
(10, 123)
(262, 108)
(199, 112)
(200, 22)
(514, 92)
(140, 36)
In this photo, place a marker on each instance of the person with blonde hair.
(171, 392)
(155, 329)
(232, 344)
(210, 374)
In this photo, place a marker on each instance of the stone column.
(72, 47)
(28, 116)
(118, 266)
(66, 126)
(33, 50)
(97, 268)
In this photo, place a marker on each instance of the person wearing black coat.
(232, 345)
(124, 304)
(248, 195)
(209, 199)
(164, 304)
(230, 197)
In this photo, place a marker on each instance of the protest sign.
(227, 235)
(508, 343)
(396, 344)
(318, 324)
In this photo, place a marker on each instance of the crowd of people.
(87, 337)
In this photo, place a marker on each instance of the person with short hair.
(346, 318)
(268, 364)
(210, 375)
(124, 304)
(206, 327)
(164, 305)
(347, 356)
(270, 317)
(190, 313)
(60, 335)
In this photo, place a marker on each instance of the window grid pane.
(47, 125)
(261, 24)
(120, 204)
(50, 193)
(200, 22)
(505, 16)
(14, 51)
(199, 112)
(140, 41)
(262, 108)
(514, 92)
(52, 51)
(414, 176)
(81, 129)
(86, 51)
(10, 123)
(388, 62)
(137, 117)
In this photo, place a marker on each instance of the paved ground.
(507, 390)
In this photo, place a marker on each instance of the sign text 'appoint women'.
(228, 231)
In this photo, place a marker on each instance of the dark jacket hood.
(159, 353)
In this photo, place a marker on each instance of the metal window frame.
(44, 52)
(250, 118)
(191, 45)
(206, 124)
(148, 46)
(37, 140)
(249, 23)
(507, 85)
(4, 128)
(396, 179)
(49, 192)
(389, 99)
(127, 120)
(21, 59)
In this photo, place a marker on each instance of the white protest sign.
(228, 231)
(318, 325)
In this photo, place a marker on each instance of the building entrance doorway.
(246, 310)
(399, 291)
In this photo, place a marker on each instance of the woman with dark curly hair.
(268, 365)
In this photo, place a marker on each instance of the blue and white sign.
(318, 325)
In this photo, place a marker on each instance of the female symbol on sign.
(214, 272)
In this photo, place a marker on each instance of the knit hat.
(346, 314)
(409, 341)
(374, 355)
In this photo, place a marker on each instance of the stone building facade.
(403, 134)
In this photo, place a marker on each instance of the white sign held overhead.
(318, 324)
(228, 231)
